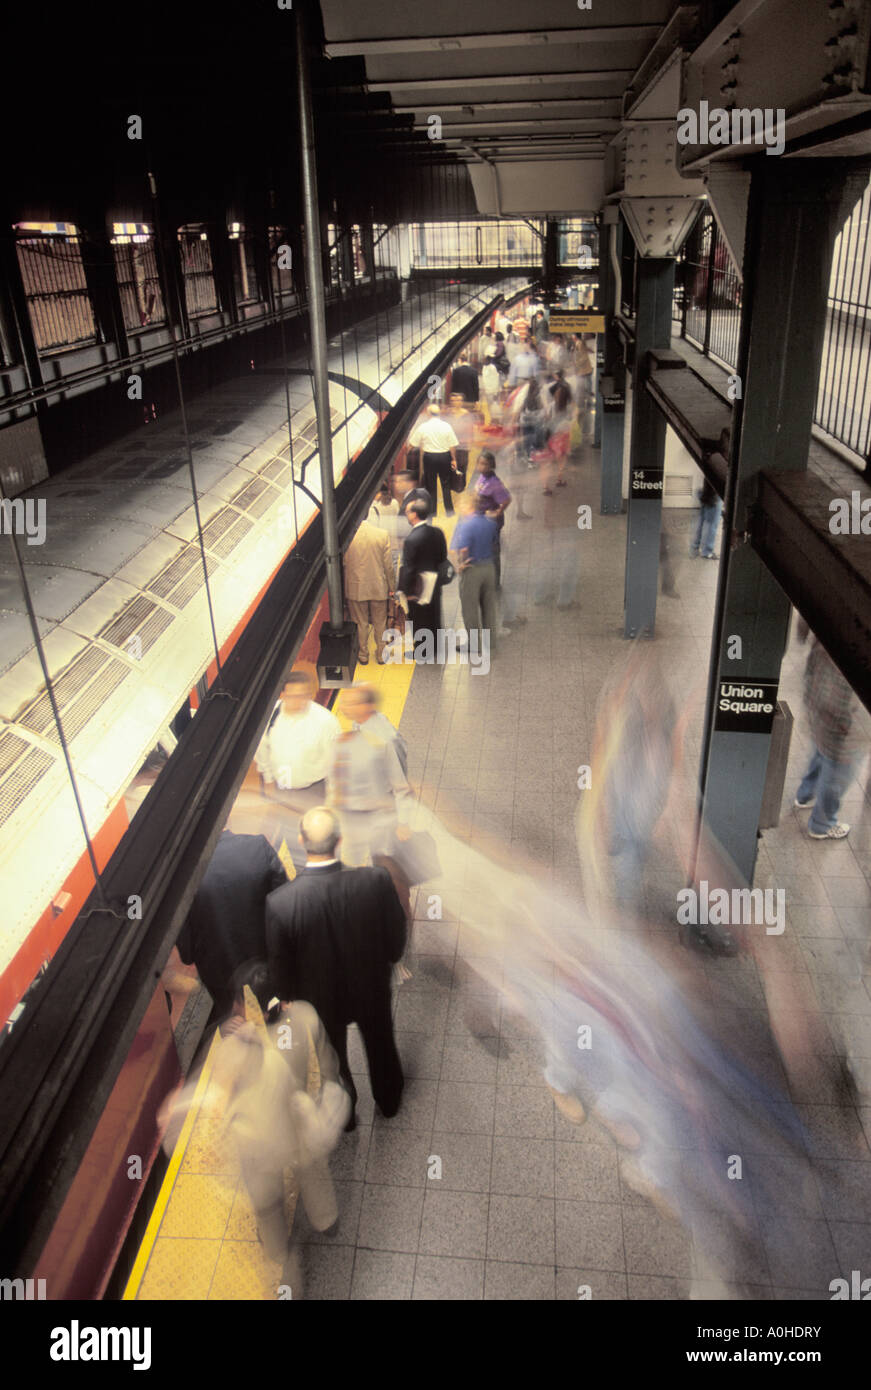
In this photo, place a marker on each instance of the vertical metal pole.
(709, 292)
(317, 320)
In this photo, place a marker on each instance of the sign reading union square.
(746, 706)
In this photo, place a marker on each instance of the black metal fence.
(711, 292)
(843, 408)
(708, 306)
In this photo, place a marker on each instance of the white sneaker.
(835, 832)
(803, 805)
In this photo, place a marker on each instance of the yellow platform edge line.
(166, 1187)
(393, 684)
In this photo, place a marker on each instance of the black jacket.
(464, 382)
(425, 548)
(332, 935)
(226, 925)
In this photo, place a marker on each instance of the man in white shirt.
(525, 366)
(295, 753)
(438, 444)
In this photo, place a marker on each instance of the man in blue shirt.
(472, 554)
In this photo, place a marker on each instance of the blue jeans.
(706, 529)
(827, 780)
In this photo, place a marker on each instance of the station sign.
(614, 403)
(646, 484)
(746, 705)
(574, 321)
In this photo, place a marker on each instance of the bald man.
(332, 936)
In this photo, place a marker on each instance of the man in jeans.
(831, 708)
(472, 555)
(710, 511)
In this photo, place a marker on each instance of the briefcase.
(417, 857)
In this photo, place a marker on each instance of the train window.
(53, 274)
(137, 273)
(201, 296)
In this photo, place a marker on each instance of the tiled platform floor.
(528, 1206)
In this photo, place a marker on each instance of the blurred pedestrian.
(297, 748)
(226, 925)
(707, 522)
(462, 422)
(361, 704)
(333, 935)
(369, 585)
(260, 1073)
(831, 709)
(464, 381)
(369, 790)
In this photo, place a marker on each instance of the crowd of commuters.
(520, 385)
(291, 963)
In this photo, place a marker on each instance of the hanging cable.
(180, 318)
(34, 626)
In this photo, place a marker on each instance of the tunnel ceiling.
(533, 91)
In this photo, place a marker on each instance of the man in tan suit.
(369, 582)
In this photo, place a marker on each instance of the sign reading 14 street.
(646, 483)
(746, 706)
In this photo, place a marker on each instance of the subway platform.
(522, 1204)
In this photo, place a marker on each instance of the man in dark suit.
(332, 937)
(226, 926)
(425, 549)
(405, 485)
(464, 381)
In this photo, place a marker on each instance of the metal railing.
(843, 408)
(711, 292)
(708, 305)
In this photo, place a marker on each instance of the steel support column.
(647, 453)
(796, 208)
(101, 278)
(317, 319)
(550, 255)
